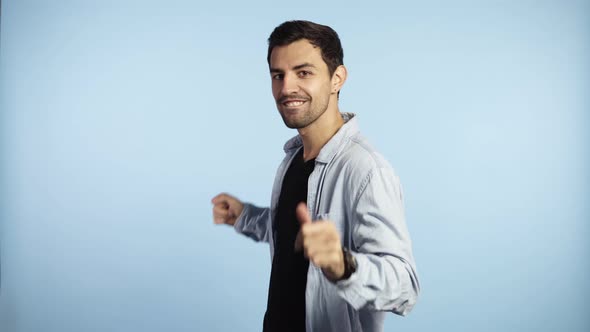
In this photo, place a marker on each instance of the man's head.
(305, 61)
(321, 36)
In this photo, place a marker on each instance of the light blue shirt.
(356, 188)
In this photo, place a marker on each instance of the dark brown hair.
(321, 36)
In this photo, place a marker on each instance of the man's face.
(301, 83)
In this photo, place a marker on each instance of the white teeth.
(294, 103)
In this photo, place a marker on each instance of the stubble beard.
(310, 115)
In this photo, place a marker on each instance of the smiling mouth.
(293, 103)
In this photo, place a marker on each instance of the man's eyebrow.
(301, 66)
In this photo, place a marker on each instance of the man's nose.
(290, 85)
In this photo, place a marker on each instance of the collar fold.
(328, 151)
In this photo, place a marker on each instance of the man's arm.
(245, 218)
(254, 222)
(385, 278)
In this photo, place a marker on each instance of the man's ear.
(338, 78)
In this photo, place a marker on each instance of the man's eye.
(304, 73)
(277, 76)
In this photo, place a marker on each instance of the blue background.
(121, 119)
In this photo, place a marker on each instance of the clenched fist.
(321, 244)
(226, 209)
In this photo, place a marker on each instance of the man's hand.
(321, 244)
(226, 209)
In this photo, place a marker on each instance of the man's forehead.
(295, 54)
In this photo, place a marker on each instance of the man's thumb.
(302, 214)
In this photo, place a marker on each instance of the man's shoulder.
(356, 163)
(362, 155)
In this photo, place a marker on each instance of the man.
(341, 252)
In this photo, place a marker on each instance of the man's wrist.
(350, 264)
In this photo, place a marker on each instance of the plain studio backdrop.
(121, 119)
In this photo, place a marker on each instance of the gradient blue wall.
(121, 119)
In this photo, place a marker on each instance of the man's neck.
(317, 134)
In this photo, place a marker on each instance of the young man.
(341, 252)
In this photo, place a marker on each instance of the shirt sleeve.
(254, 222)
(385, 278)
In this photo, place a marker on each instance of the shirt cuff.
(349, 288)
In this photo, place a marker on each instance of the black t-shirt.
(286, 293)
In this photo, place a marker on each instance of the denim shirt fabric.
(353, 186)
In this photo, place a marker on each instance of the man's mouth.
(293, 103)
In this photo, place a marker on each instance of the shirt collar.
(329, 149)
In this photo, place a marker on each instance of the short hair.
(318, 35)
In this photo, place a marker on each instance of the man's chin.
(292, 122)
